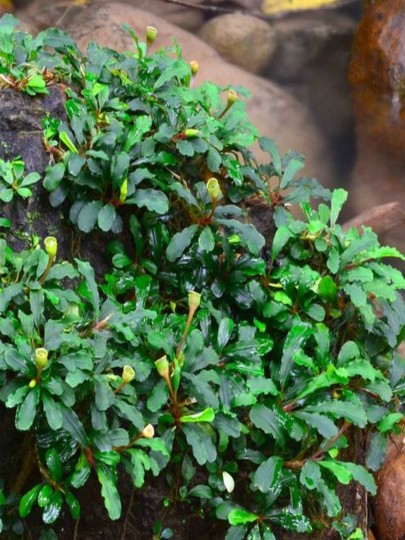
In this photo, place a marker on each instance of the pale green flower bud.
(162, 366)
(32, 383)
(124, 191)
(51, 246)
(148, 432)
(41, 357)
(189, 133)
(195, 66)
(214, 189)
(232, 97)
(112, 377)
(151, 33)
(128, 374)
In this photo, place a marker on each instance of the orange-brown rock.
(377, 78)
(379, 52)
(389, 503)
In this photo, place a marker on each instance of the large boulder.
(272, 110)
(377, 77)
(378, 58)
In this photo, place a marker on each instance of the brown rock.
(378, 58)
(187, 18)
(243, 40)
(377, 74)
(272, 110)
(43, 13)
(390, 499)
(382, 218)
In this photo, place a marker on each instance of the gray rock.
(313, 52)
(243, 40)
(21, 135)
(302, 40)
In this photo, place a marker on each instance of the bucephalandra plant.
(237, 367)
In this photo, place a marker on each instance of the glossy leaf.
(180, 242)
(28, 500)
(108, 481)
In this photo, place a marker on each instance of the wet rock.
(21, 135)
(377, 75)
(272, 110)
(243, 40)
(378, 58)
(389, 502)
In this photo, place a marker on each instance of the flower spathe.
(214, 189)
(41, 357)
(194, 299)
(51, 246)
(162, 366)
(128, 374)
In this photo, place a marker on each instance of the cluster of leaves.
(240, 369)
(13, 181)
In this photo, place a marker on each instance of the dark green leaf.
(73, 425)
(206, 240)
(320, 422)
(106, 217)
(52, 411)
(341, 409)
(362, 476)
(88, 216)
(28, 500)
(200, 438)
(267, 474)
(54, 464)
(225, 330)
(54, 176)
(310, 474)
(295, 340)
(153, 199)
(377, 451)
(27, 410)
(45, 495)
(267, 420)
(53, 508)
(180, 242)
(109, 491)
